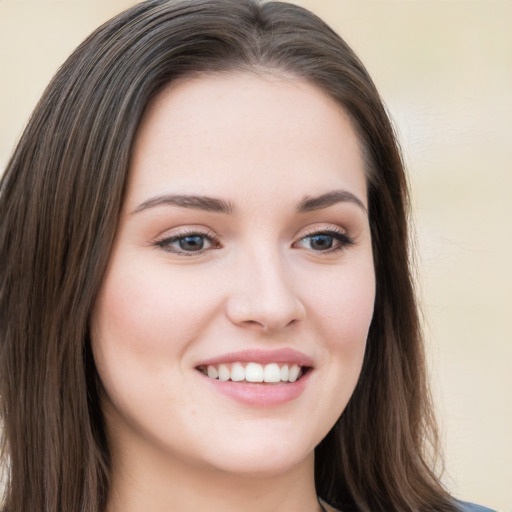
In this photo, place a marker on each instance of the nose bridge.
(264, 295)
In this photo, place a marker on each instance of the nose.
(264, 295)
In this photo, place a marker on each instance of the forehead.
(243, 133)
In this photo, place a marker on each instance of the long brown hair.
(59, 205)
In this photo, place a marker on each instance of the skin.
(261, 143)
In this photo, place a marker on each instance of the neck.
(142, 481)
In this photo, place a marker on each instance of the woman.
(206, 299)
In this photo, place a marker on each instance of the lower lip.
(260, 395)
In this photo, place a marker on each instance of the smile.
(258, 378)
(271, 373)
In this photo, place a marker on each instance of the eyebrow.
(212, 204)
(205, 203)
(309, 204)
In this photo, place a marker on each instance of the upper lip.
(283, 355)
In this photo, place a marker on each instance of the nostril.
(268, 304)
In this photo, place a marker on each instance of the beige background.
(444, 69)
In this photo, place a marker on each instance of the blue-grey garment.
(464, 507)
(471, 507)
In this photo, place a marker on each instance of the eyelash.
(341, 237)
(165, 243)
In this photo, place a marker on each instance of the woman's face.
(243, 253)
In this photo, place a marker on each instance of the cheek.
(127, 332)
(340, 304)
(138, 331)
(343, 304)
(124, 318)
(341, 310)
(144, 320)
(144, 310)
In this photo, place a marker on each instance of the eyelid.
(322, 228)
(164, 241)
(169, 237)
(340, 234)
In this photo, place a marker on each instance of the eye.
(327, 240)
(189, 243)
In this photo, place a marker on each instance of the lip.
(260, 394)
(283, 355)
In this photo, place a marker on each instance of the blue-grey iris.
(321, 242)
(191, 243)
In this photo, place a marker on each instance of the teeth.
(237, 372)
(272, 373)
(254, 372)
(224, 372)
(294, 373)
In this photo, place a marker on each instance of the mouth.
(255, 373)
(258, 378)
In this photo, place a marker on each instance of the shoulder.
(471, 507)
(463, 507)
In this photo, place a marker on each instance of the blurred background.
(444, 69)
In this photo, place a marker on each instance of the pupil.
(321, 242)
(191, 243)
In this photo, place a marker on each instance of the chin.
(261, 455)
(264, 463)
